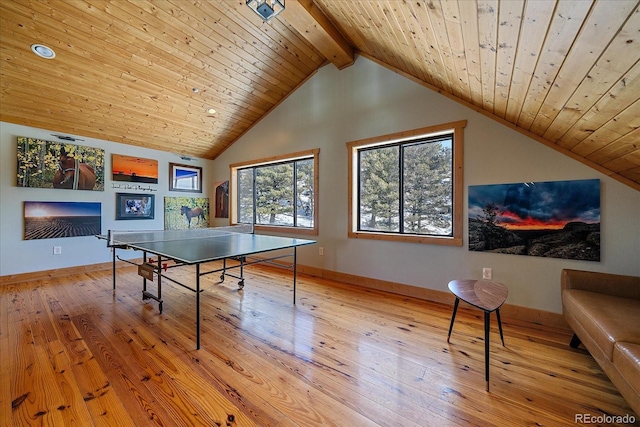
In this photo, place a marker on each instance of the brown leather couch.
(604, 312)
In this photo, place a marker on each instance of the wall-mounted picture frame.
(551, 219)
(185, 178)
(222, 199)
(52, 220)
(181, 213)
(135, 206)
(134, 169)
(49, 164)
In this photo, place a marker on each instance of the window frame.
(457, 129)
(286, 158)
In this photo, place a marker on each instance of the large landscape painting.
(49, 220)
(558, 219)
(48, 164)
(134, 169)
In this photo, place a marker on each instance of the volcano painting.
(556, 219)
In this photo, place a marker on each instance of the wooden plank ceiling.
(566, 72)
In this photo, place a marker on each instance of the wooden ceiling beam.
(309, 21)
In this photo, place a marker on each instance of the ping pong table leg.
(160, 283)
(144, 281)
(241, 282)
(113, 267)
(295, 263)
(198, 306)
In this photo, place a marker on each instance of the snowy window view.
(406, 187)
(277, 194)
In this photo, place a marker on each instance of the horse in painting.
(192, 213)
(72, 174)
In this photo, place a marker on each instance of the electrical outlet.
(57, 250)
(487, 273)
(321, 250)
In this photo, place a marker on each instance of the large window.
(408, 186)
(277, 193)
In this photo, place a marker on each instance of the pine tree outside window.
(277, 194)
(408, 186)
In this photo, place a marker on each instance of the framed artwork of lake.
(555, 219)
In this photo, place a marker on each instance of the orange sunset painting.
(557, 219)
(134, 169)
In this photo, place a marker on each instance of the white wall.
(22, 256)
(335, 107)
(366, 100)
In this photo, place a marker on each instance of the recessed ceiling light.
(211, 111)
(43, 51)
(195, 90)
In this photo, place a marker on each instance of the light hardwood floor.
(74, 352)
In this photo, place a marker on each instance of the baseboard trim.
(58, 272)
(507, 311)
(520, 313)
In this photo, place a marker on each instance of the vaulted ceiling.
(145, 73)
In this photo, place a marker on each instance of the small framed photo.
(185, 178)
(135, 206)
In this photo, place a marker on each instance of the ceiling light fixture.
(211, 110)
(43, 51)
(266, 9)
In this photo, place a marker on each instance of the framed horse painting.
(48, 164)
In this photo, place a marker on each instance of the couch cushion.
(626, 358)
(606, 318)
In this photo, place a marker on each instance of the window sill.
(286, 230)
(427, 240)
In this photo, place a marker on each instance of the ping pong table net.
(123, 238)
